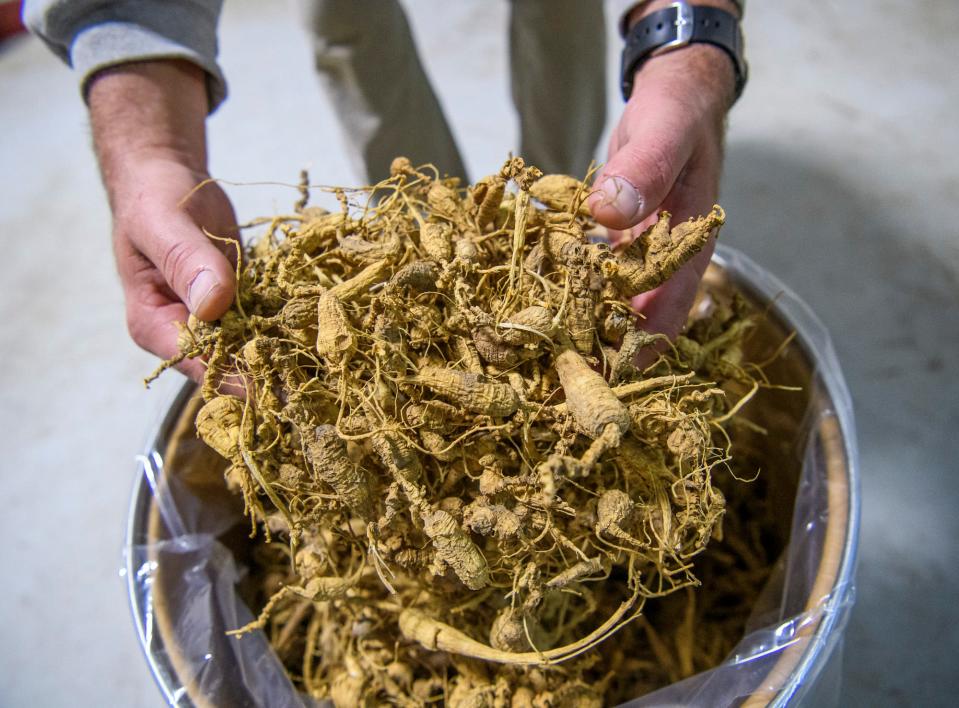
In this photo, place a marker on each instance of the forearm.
(150, 140)
(146, 110)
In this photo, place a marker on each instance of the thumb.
(195, 269)
(642, 171)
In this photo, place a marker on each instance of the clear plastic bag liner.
(789, 654)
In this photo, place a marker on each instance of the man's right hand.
(149, 133)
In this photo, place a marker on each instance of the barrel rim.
(136, 555)
(809, 328)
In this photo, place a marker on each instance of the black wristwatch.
(676, 26)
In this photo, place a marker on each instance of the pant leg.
(368, 63)
(558, 75)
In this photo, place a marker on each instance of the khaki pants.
(367, 61)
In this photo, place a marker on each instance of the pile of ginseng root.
(430, 401)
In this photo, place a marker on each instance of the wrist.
(148, 111)
(700, 73)
(698, 38)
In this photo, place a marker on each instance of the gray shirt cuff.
(92, 35)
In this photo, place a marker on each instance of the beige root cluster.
(443, 423)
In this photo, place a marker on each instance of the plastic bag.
(790, 651)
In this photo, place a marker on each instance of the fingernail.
(202, 286)
(619, 194)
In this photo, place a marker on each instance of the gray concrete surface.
(841, 178)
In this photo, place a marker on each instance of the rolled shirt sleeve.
(91, 35)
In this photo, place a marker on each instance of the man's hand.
(666, 153)
(148, 126)
(168, 266)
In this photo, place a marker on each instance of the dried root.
(432, 422)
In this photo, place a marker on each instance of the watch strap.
(626, 8)
(676, 26)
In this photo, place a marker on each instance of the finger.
(152, 331)
(151, 328)
(155, 329)
(194, 267)
(642, 171)
(209, 205)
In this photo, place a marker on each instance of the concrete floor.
(841, 178)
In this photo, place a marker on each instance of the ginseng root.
(446, 437)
